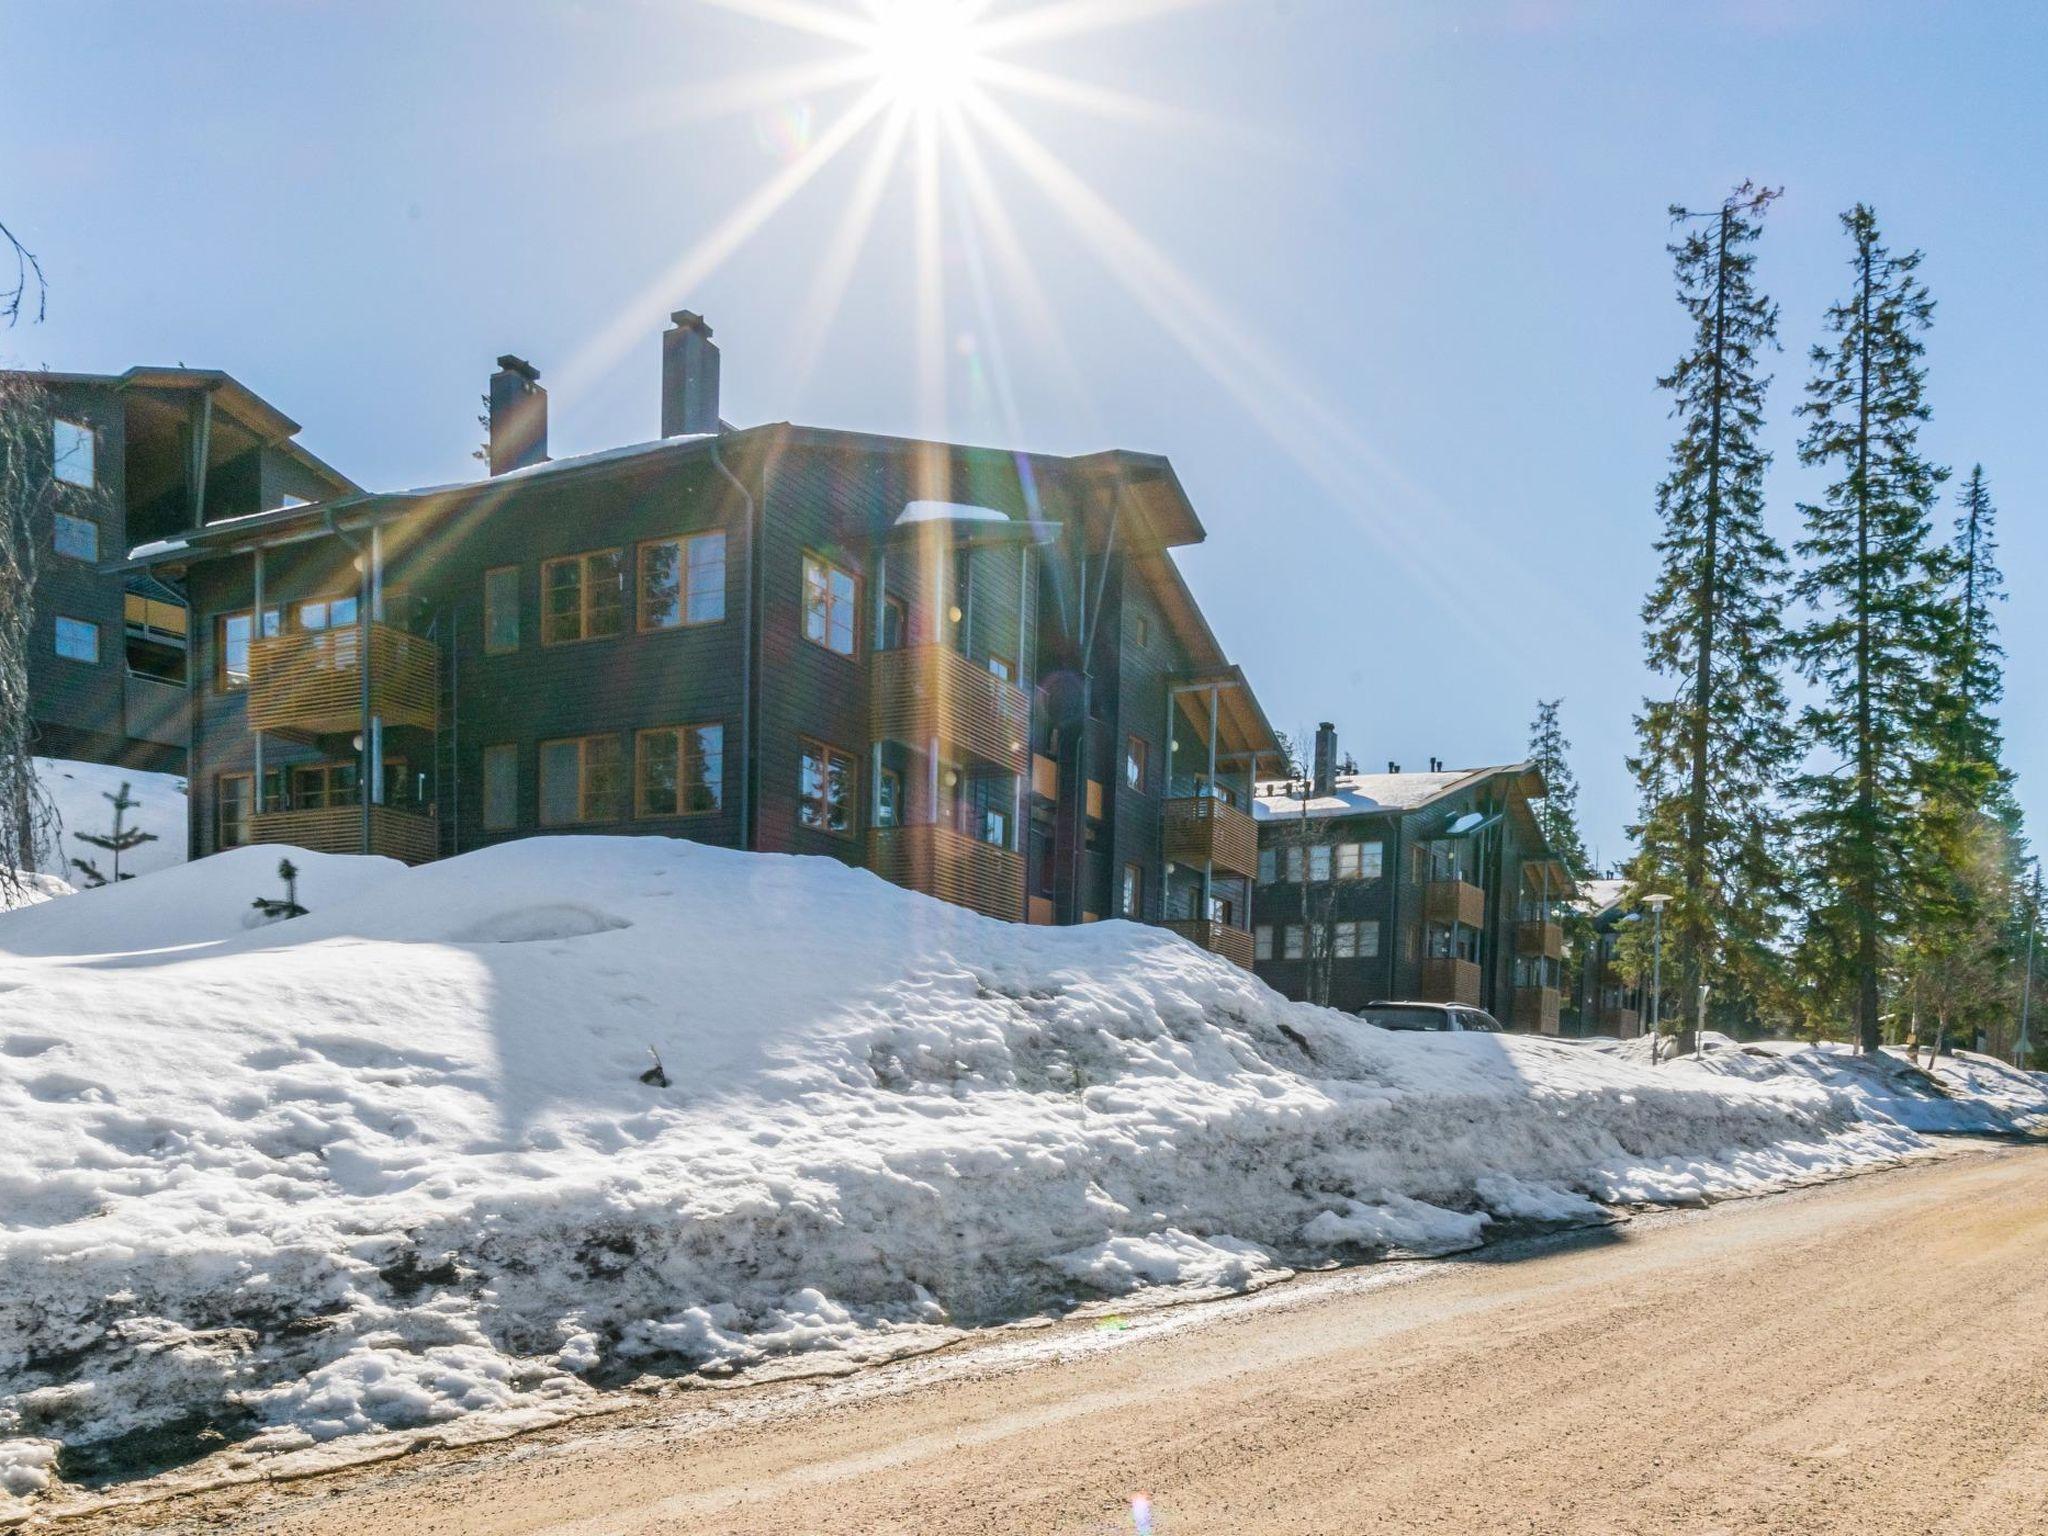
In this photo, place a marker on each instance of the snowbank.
(395, 1163)
(78, 791)
(1965, 1092)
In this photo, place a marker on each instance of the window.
(830, 599)
(1368, 940)
(1371, 860)
(580, 780)
(1344, 941)
(1134, 763)
(71, 453)
(1269, 866)
(1134, 891)
(231, 633)
(995, 826)
(234, 801)
(78, 640)
(1223, 910)
(1295, 860)
(501, 610)
(326, 613)
(501, 787)
(583, 597)
(1141, 631)
(322, 786)
(825, 786)
(895, 623)
(679, 770)
(889, 798)
(1262, 942)
(1319, 862)
(75, 538)
(1291, 940)
(682, 581)
(1003, 667)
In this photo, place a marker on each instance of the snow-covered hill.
(396, 1162)
(78, 794)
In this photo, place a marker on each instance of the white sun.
(925, 53)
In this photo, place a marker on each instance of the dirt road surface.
(1869, 1356)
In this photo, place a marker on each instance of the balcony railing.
(1202, 829)
(1448, 980)
(921, 692)
(395, 834)
(1219, 938)
(1625, 1022)
(312, 681)
(953, 867)
(1453, 901)
(1536, 1008)
(1540, 938)
(154, 711)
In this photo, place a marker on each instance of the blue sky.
(1396, 315)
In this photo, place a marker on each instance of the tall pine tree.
(1713, 753)
(1558, 812)
(1874, 580)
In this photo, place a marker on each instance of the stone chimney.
(519, 416)
(689, 376)
(1326, 760)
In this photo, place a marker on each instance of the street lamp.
(1656, 904)
(2024, 1047)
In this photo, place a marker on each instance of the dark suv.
(1450, 1018)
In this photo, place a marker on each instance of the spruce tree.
(1713, 753)
(1874, 583)
(1558, 812)
(118, 840)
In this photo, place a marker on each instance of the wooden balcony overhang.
(1540, 938)
(1202, 829)
(1537, 1008)
(1454, 901)
(1445, 979)
(312, 682)
(947, 864)
(921, 693)
(1219, 938)
(395, 834)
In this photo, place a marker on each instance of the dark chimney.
(519, 416)
(1392, 766)
(689, 376)
(1326, 760)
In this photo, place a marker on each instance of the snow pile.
(1964, 1093)
(396, 1163)
(78, 791)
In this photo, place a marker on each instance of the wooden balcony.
(1233, 944)
(1202, 829)
(154, 711)
(395, 834)
(1625, 1022)
(1536, 1008)
(1540, 938)
(1447, 980)
(951, 866)
(919, 692)
(312, 682)
(1454, 901)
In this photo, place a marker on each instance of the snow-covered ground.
(78, 791)
(394, 1164)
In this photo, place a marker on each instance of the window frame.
(1269, 866)
(299, 613)
(91, 436)
(222, 683)
(58, 621)
(490, 608)
(583, 816)
(1292, 942)
(581, 560)
(830, 568)
(889, 798)
(640, 736)
(1262, 941)
(248, 814)
(58, 518)
(500, 751)
(684, 543)
(806, 746)
(1131, 892)
(1138, 757)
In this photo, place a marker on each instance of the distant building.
(1434, 886)
(149, 454)
(975, 671)
(1607, 1003)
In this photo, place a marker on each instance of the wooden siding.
(1537, 938)
(921, 692)
(1233, 944)
(1202, 829)
(1446, 980)
(1454, 901)
(1536, 1008)
(942, 863)
(313, 682)
(339, 829)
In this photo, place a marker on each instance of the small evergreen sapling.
(117, 841)
(275, 910)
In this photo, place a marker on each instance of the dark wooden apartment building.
(119, 460)
(1435, 886)
(977, 672)
(1609, 1001)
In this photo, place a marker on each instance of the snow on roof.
(157, 547)
(1597, 896)
(574, 461)
(948, 512)
(1364, 794)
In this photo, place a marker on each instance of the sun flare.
(925, 53)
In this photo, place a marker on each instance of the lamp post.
(1656, 904)
(2024, 1046)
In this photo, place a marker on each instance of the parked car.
(1449, 1018)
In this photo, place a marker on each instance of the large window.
(1262, 942)
(889, 799)
(825, 789)
(77, 639)
(71, 453)
(1135, 755)
(75, 538)
(323, 786)
(831, 603)
(679, 770)
(501, 610)
(1319, 862)
(234, 804)
(1359, 861)
(1290, 941)
(326, 613)
(1133, 904)
(580, 780)
(501, 787)
(682, 581)
(583, 597)
(1269, 865)
(231, 635)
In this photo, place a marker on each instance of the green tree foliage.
(1874, 582)
(1713, 753)
(117, 840)
(1557, 813)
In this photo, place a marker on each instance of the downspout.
(746, 838)
(201, 453)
